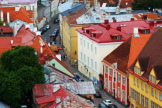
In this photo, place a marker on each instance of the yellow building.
(145, 76)
(69, 35)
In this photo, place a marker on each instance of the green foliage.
(20, 71)
(146, 4)
(1, 23)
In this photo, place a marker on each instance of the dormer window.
(150, 78)
(139, 71)
(154, 79)
(117, 38)
(145, 31)
(135, 69)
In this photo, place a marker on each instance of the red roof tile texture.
(153, 50)
(125, 3)
(6, 29)
(150, 16)
(22, 14)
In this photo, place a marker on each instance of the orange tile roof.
(150, 16)
(40, 19)
(6, 29)
(22, 14)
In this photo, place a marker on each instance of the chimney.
(49, 44)
(135, 34)
(8, 17)
(132, 19)
(15, 29)
(151, 23)
(1, 15)
(38, 33)
(26, 25)
(35, 29)
(108, 27)
(1, 32)
(11, 42)
(106, 21)
(98, 5)
(114, 20)
(89, 11)
(144, 17)
(117, 10)
(58, 56)
(119, 28)
(87, 5)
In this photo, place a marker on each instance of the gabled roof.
(153, 50)
(158, 73)
(143, 62)
(19, 1)
(125, 54)
(105, 35)
(21, 14)
(71, 17)
(6, 29)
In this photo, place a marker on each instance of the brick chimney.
(114, 20)
(119, 28)
(108, 27)
(132, 19)
(106, 21)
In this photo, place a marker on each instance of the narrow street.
(46, 37)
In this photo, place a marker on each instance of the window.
(137, 82)
(88, 60)
(84, 43)
(87, 45)
(33, 8)
(123, 95)
(24, 7)
(84, 58)
(80, 41)
(145, 31)
(110, 71)
(53, 64)
(30, 7)
(160, 96)
(135, 69)
(146, 87)
(91, 48)
(134, 94)
(142, 85)
(118, 77)
(91, 62)
(123, 80)
(134, 81)
(81, 55)
(95, 50)
(118, 92)
(36, 52)
(156, 94)
(110, 86)
(114, 76)
(138, 98)
(106, 83)
(152, 104)
(154, 79)
(81, 69)
(95, 65)
(150, 77)
(152, 92)
(142, 100)
(106, 69)
(131, 92)
(116, 37)
(146, 102)
(139, 71)
(156, 106)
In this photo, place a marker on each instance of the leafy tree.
(20, 70)
(1, 23)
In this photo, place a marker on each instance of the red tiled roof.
(153, 50)
(150, 16)
(105, 36)
(6, 29)
(40, 19)
(126, 53)
(22, 14)
(123, 3)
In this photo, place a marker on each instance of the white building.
(94, 43)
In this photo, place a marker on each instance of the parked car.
(76, 77)
(48, 27)
(81, 80)
(97, 95)
(107, 102)
(56, 31)
(56, 20)
(112, 106)
(101, 105)
(44, 29)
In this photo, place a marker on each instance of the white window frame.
(154, 79)
(139, 71)
(135, 68)
(146, 102)
(81, 56)
(95, 50)
(150, 77)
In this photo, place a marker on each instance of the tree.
(20, 70)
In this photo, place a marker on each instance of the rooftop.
(6, 29)
(65, 6)
(150, 16)
(18, 1)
